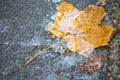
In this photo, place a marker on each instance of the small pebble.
(116, 69)
(6, 43)
(118, 76)
(114, 8)
(115, 21)
(109, 68)
(111, 78)
(118, 63)
(108, 73)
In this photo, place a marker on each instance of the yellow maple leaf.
(81, 29)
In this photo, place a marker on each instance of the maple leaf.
(81, 29)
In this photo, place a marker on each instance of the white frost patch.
(6, 43)
(51, 76)
(69, 61)
(36, 40)
(48, 0)
(57, 7)
(54, 16)
(56, 1)
(59, 49)
(47, 27)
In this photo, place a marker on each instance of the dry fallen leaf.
(95, 64)
(82, 32)
(81, 29)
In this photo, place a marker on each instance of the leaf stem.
(28, 61)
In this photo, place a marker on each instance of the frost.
(56, 1)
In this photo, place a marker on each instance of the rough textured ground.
(23, 33)
(114, 50)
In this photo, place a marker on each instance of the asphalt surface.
(23, 33)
